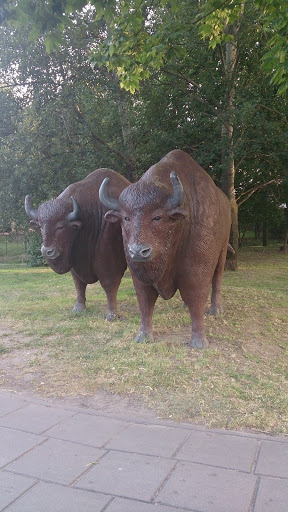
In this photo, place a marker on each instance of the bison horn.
(75, 214)
(109, 202)
(31, 212)
(177, 196)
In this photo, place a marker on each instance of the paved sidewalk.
(60, 458)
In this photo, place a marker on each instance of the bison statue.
(76, 237)
(175, 225)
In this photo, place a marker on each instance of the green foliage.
(60, 127)
(217, 19)
(34, 256)
(70, 118)
(141, 37)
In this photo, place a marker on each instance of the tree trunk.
(257, 230)
(285, 241)
(286, 234)
(228, 164)
(123, 107)
(228, 188)
(265, 233)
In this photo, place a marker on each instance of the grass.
(240, 382)
(12, 248)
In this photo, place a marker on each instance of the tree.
(67, 123)
(134, 52)
(141, 37)
(272, 19)
(201, 90)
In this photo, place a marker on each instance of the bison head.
(59, 222)
(149, 216)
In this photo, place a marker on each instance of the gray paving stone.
(221, 450)
(122, 505)
(9, 403)
(273, 459)
(56, 461)
(149, 439)
(272, 495)
(14, 443)
(11, 487)
(86, 429)
(208, 489)
(127, 475)
(92, 463)
(56, 498)
(34, 418)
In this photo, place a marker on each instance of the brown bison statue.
(76, 237)
(175, 225)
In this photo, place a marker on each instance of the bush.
(34, 256)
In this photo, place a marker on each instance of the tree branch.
(190, 82)
(96, 138)
(274, 111)
(249, 193)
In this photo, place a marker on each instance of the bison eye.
(157, 217)
(127, 218)
(59, 228)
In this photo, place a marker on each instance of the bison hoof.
(215, 310)
(144, 337)
(111, 317)
(78, 308)
(199, 343)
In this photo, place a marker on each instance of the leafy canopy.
(272, 18)
(141, 36)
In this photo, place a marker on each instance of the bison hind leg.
(144, 337)
(79, 307)
(215, 309)
(111, 317)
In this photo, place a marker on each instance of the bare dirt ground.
(18, 375)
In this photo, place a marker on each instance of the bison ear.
(177, 214)
(76, 225)
(112, 216)
(34, 224)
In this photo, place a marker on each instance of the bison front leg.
(146, 296)
(198, 339)
(195, 297)
(80, 303)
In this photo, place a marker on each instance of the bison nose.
(140, 252)
(49, 253)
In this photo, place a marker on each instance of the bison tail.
(230, 249)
